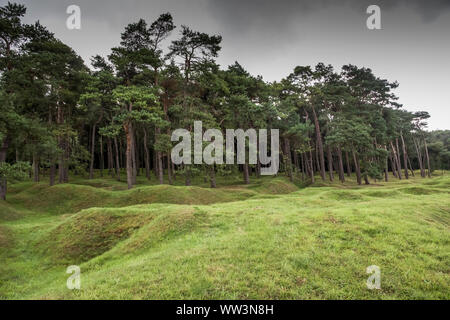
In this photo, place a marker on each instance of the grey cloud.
(255, 13)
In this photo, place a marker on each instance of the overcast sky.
(270, 38)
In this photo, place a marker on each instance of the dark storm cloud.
(253, 13)
(431, 9)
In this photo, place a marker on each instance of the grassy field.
(269, 240)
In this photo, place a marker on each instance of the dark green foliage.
(61, 116)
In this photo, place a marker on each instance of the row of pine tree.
(58, 115)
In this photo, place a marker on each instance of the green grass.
(270, 240)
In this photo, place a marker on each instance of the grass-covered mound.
(423, 191)
(8, 212)
(90, 233)
(313, 243)
(71, 198)
(5, 237)
(275, 186)
(85, 235)
(343, 195)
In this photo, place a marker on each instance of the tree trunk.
(52, 174)
(393, 166)
(188, 174)
(102, 159)
(159, 165)
(3, 181)
(117, 159)
(129, 157)
(3, 188)
(4, 150)
(213, 176)
(35, 168)
(147, 156)
(138, 147)
(410, 167)
(386, 167)
(315, 166)
(246, 173)
(258, 168)
(427, 157)
(66, 167)
(121, 154)
(51, 159)
(397, 151)
(110, 157)
(366, 179)
(349, 168)
(319, 144)
(169, 169)
(60, 121)
(330, 163)
(306, 163)
(419, 158)
(397, 162)
(386, 172)
(357, 169)
(311, 166)
(296, 162)
(174, 174)
(91, 167)
(405, 156)
(302, 162)
(341, 165)
(61, 169)
(287, 150)
(133, 154)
